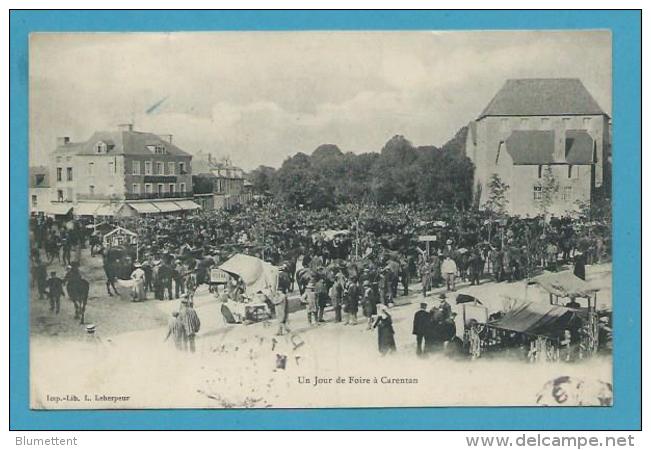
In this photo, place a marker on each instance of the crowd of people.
(351, 257)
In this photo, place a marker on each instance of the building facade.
(39, 189)
(143, 171)
(547, 139)
(220, 178)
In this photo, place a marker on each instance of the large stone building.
(123, 172)
(39, 189)
(218, 184)
(536, 127)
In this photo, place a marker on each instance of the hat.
(184, 300)
(604, 319)
(137, 265)
(423, 305)
(366, 283)
(449, 241)
(53, 273)
(442, 296)
(90, 328)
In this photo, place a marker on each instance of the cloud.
(260, 97)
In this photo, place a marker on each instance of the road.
(235, 365)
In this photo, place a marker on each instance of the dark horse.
(77, 289)
(118, 264)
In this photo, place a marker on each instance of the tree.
(497, 195)
(261, 179)
(548, 188)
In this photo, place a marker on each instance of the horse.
(78, 289)
(118, 264)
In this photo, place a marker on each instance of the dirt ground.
(236, 365)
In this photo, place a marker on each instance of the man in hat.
(449, 272)
(178, 271)
(336, 295)
(352, 296)
(54, 289)
(444, 306)
(425, 275)
(421, 327)
(309, 298)
(190, 320)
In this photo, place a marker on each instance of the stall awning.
(168, 206)
(564, 284)
(86, 209)
(58, 209)
(187, 205)
(538, 319)
(145, 208)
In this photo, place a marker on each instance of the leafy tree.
(548, 189)
(261, 178)
(497, 195)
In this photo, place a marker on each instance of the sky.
(260, 97)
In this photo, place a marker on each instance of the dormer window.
(101, 147)
(158, 149)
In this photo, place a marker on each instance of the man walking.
(449, 271)
(421, 327)
(54, 291)
(190, 321)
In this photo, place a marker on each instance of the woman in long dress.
(138, 277)
(384, 325)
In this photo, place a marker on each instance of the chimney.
(62, 140)
(125, 127)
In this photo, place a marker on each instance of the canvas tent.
(256, 273)
(539, 319)
(565, 285)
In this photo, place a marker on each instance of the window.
(172, 188)
(59, 195)
(135, 188)
(537, 192)
(539, 171)
(171, 168)
(91, 189)
(566, 122)
(544, 123)
(34, 201)
(59, 174)
(160, 168)
(182, 187)
(182, 168)
(69, 173)
(91, 169)
(111, 167)
(161, 188)
(567, 193)
(147, 167)
(586, 122)
(148, 188)
(58, 159)
(100, 147)
(135, 167)
(569, 171)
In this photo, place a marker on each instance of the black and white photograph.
(320, 219)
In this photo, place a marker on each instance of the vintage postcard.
(320, 219)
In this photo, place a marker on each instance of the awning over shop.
(187, 205)
(108, 209)
(168, 206)
(58, 209)
(145, 208)
(86, 209)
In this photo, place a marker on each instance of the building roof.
(536, 147)
(542, 97)
(39, 177)
(121, 142)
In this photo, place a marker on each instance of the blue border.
(625, 414)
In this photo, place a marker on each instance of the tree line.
(399, 173)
